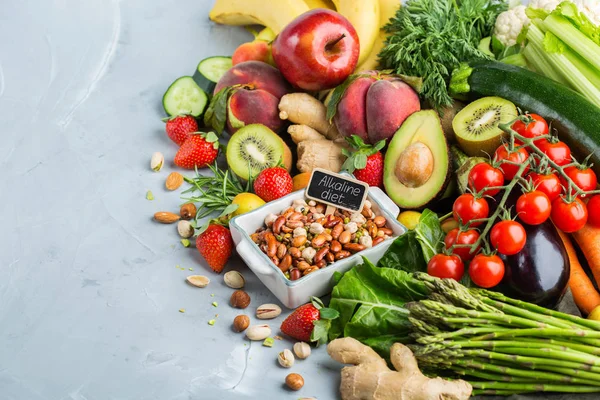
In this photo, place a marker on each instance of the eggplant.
(540, 272)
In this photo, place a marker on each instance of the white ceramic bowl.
(295, 293)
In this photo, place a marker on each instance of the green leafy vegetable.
(429, 38)
(216, 113)
(429, 234)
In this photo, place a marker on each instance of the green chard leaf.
(216, 113)
(429, 233)
(405, 254)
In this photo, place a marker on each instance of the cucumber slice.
(184, 96)
(210, 70)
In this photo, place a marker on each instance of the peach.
(257, 50)
(256, 99)
(351, 116)
(389, 103)
(248, 106)
(258, 75)
(374, 106)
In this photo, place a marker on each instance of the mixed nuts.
(303, 239)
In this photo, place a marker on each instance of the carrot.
(585, 295)
(588, 239)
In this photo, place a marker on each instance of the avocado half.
(421, 132)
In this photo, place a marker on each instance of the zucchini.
(576, 119)
(185, 97)
(210, 70)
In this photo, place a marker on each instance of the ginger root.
(302, 133)
(320, 153)
(304, 109)
(370, 378)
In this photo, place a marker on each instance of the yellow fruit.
(301, 180)
(320, 4)
(449, 224)
(273, 14)
(247, 202)
(595, 314)
(364, 16)
(387, 9)
(409, 219)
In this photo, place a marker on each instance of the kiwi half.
(476, 125)
(252, 149)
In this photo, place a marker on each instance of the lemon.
(409, 219)
(595, 314)
(247, 202)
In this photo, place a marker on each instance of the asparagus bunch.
(501, 345)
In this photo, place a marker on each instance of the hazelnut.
(286, 358)
(240, 323)
(239, 299)
(302, 350)
(294, 381)
(188, 211)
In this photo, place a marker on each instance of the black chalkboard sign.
(337, 190)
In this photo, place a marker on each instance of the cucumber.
(184, 96)
(210, 70)
(576, 119)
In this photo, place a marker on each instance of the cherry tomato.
(537, 127)
(486, 271)
(593, 207)
(444, 266)
(585, 178)
(508, 237)
(518, 156)
(482, 176)
(557, 151)
(467, 237)
(467, 208)
(534, 207)
(549, 184)
(569, 216)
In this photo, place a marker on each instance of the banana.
(364, 16)
(320, 4)
(272, 14)
(387, 10)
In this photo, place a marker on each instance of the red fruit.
(593, 207)
(486, 271)
(510, 161)
(215, 245)
(365, 161)
(300, 323)
(534, 207)
(549, 184)
(467, 208)
(273, 183)
(257, 50)
(455, 236)
(556, 150)
(446, 266)
(181, 127)
(537, 127)
(569, 216)
(199, 150)
(584, 177)
(508, 237)
(482, 176)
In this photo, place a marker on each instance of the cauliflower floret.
(509, 24)
(590, 8)
(548, 5)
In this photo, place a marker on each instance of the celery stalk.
(574, 38)
(566, 68)
(536, 57)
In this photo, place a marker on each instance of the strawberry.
(199, 150)
(180, 128)
(215, 245)
(365, 161)
(273, 183)
(309, 322)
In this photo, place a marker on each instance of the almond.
(165, 217)
(174, 181)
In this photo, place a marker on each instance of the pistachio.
(286, 358)
(157, 161)
(185, 229)
(198, 280)
(299, 232)
(302, 350)
(308, 254)
(351, 227)
(258, 332)
(268, 311)
(366, 241)
(234, 280)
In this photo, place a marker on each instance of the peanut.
(310, 270)
(337, 230)
(303, 266)
(294, 224)
(296, 216)
(387, 231)
(345, 237)
(299, 241)
(295, 274)
(342, 254)
(271, 244)
(281, 250)
(279, 222)
(321, 264)
(379, 221)
(377, 240)
(332, 221)
(294, 252)
(335, 246)
(330, 257)
(320, 254)
(319, 240)
(372, 228)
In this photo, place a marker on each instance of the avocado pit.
(415, 165)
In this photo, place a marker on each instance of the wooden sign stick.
(330, 210)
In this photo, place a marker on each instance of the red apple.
(318, 50)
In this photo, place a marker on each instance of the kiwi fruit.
(476, 125)
(254, 148)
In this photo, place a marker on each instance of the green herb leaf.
(320, 331)
(328, 313)
(216, 113)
